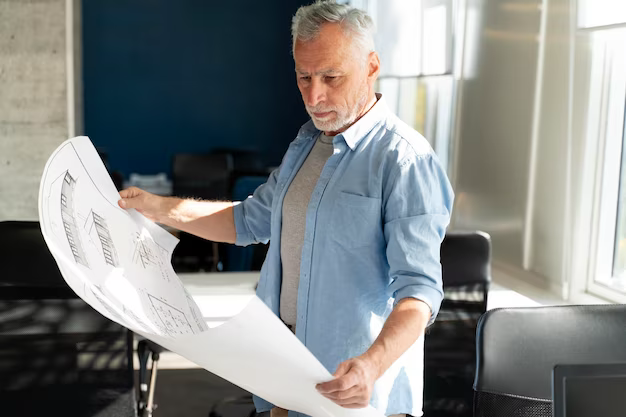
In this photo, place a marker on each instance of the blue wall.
(168, 76)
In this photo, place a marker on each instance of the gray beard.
(341, 122)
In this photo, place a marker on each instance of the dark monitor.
(589, 390)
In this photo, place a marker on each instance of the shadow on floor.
(193, 392)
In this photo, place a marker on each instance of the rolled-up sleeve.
(253, 215)
(417, 207)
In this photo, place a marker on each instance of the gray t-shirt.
(294, 221)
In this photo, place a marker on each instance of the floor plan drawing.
(69, 220)
(98, 231)
(173, 319)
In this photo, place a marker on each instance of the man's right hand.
(152, 206)
(211, 220)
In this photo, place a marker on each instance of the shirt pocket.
(356, 220)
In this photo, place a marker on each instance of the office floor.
(193, 393)
(184, 389)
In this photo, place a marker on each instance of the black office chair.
(245, 161)
(450, 343)
(517, 349)
(208, 177)
(58, 356)
(27, 263)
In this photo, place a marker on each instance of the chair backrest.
(28, 270)
(517, 349)
(466, 270)
(206, 176)
(465, 258)
(57, 354)
(246, 161)
(450, 344)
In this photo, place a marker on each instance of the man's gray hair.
(308, 20)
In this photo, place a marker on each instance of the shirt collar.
(365, 124)
(358, 130)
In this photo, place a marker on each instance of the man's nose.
(316, 93)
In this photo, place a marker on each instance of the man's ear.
(373, 65)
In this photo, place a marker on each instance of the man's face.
(334, 78)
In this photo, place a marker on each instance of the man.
(355, 213)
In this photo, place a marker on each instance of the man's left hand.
(353, 383)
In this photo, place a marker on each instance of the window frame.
(609, 126)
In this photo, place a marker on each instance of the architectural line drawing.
(195, 312)
(174, 320)
(96, 226)
(150, 255)
(69, 219)
(58, 181)
(144, 254)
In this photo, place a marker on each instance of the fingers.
(355, 405)
(129, 197)
(349, 389)
(345, 397)
(344, 381)
(355, 397)
(130, 192)
(140, 200)
(127, 203)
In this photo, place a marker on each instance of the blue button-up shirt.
(374, 226)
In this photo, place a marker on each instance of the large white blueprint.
(120, 263)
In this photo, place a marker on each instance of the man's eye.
(331, 77)
(305, 78)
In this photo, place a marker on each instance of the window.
(414, 37)
(606, 116)
(619, 259)
(414, 40)
(436, 37)
(595, 13)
